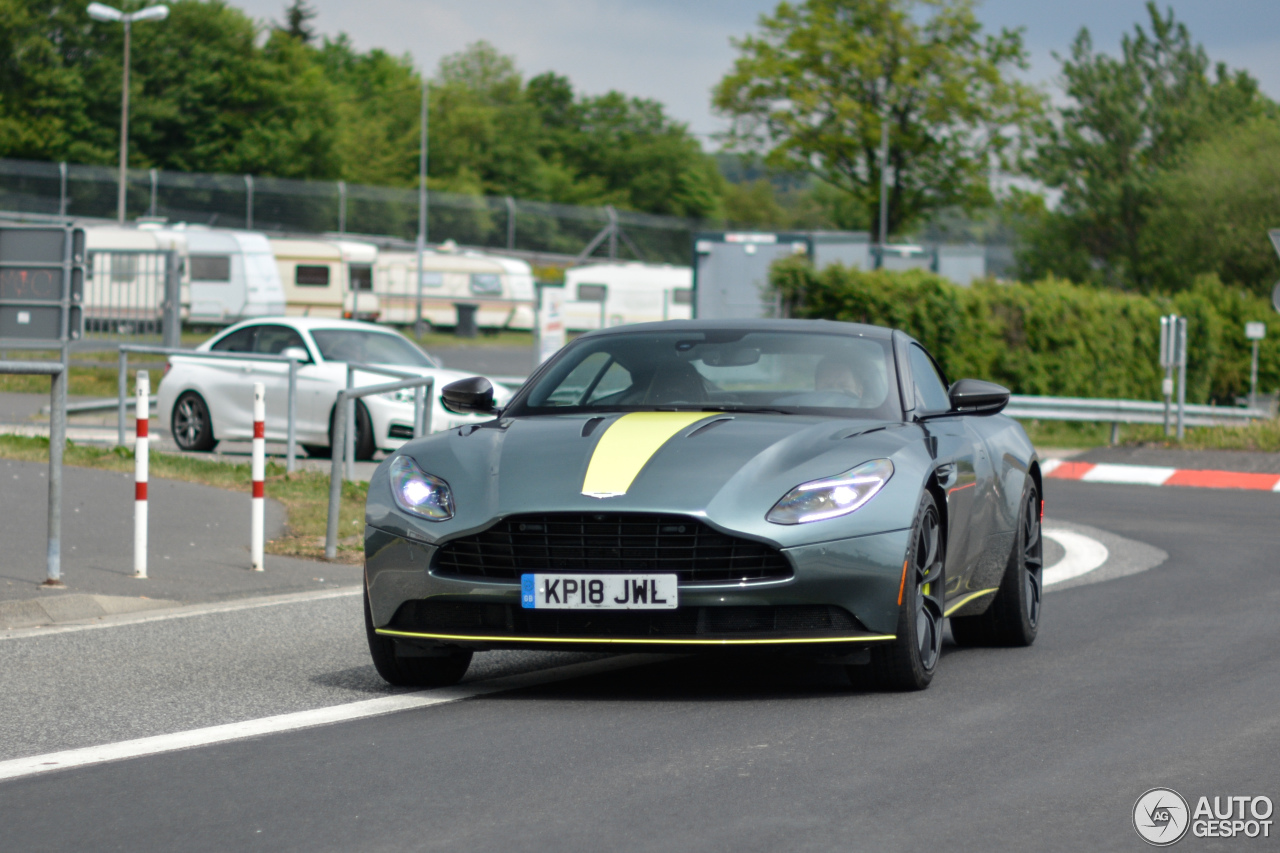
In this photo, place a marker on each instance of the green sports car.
(803, 486)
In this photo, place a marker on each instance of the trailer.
(327, 278)
(613, 294)
(126, 271)
(500, 288)
(230, 276)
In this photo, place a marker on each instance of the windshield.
(731, 370)
(354, 345)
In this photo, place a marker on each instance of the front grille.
(610, 542)
(466, 617)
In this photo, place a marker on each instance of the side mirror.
(297, 353)
(471, 396)
(976, 397)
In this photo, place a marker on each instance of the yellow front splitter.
(647, 641)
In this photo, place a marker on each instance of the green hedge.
(1052, 337)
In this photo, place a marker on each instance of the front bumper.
(854, 582)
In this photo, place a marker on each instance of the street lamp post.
(883, 87)
(100, 12)
(422, 206)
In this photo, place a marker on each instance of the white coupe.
(210, 400)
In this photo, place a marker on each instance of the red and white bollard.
(142, 401)
(259, 474)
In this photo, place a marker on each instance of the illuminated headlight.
(832, 497)
(419, 493)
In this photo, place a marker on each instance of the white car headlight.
(832, 497)
(418, 492)
(400, 395)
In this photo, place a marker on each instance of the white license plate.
(598, 592)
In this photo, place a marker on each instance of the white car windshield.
(352, 345)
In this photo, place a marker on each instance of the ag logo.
(1161, 816)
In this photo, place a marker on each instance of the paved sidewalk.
(199, 546)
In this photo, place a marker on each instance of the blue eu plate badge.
(527, 591)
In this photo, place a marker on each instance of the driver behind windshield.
(835, 374)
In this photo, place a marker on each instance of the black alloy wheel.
(909, 662)
(190, 423)
(1013, 619)
(365, 444)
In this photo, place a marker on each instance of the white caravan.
(502, 288)
(224, 276)
(125, 277)
(231, 276)
(327, 278)
(614, 294)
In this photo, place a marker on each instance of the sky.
(675, 51)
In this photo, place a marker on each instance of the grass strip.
(305, 494)
(1261, 436)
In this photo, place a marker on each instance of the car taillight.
(167, 365)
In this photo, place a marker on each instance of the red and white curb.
(1149, 475)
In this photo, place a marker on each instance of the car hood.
(729, 468)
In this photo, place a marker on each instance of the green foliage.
(1130, 120)
(209, 94)
(1051, 338)
(1215, 210)
(813, 88)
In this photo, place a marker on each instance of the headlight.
(418, 492)
(832, 497)
(400, 395)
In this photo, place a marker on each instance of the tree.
(1129, 119)
(814, 86)
(297, 19)
(1212, 214)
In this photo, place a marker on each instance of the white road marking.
(36, 764)
(180, 613)
(1083, 555)
(1143, 475)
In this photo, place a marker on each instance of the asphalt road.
(1164, 677)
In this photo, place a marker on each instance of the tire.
(365, 445)
(909, 662)
(414, 671)
(190, 424)
(1013, 618)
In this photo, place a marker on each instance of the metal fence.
(284, 205)
(133, 296)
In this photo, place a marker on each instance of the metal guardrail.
(1116, 412)
(423, 386)
(122, 402)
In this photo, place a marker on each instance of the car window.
(356, 345)
(273, 340)
(240, 340)
(931, 391)
(730, 369)
(210, 268)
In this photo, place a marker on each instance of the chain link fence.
(290, 206)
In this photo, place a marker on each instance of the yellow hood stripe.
(627, 446)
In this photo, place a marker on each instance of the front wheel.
(191, 425)
(411, 671)
(1013, 618)
(365, 444)
(909, 662)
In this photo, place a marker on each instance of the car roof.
(313, 323)
(817, 327)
